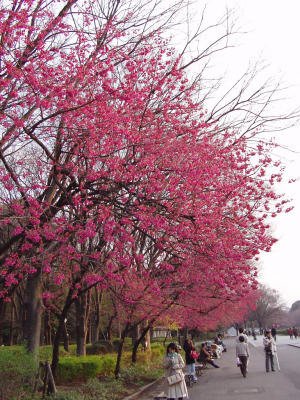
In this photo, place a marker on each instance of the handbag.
(194, 354)
(238, 361)
(173, 379)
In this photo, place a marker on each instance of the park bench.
(199, 368)
(189, 379)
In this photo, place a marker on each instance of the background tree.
(269, 308)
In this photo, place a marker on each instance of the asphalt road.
(227, 382)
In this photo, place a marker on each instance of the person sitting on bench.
(205, 357)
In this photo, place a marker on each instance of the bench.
(189, 379)
(199, 368)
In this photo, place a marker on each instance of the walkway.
(226, 383)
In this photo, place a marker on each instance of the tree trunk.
(147, 340)
(59, 333)
(47, 327)
(82, 317)
(66, 336)
(120, 350)
(96, 320)
(33, 312)
(144, 336)
(2, 317)
(109, 328)
(165, 339)
(11, 325)
(136, 332)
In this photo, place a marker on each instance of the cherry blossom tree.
(114, 176)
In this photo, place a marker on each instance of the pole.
(276, 355)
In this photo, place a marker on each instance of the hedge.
(81, 369)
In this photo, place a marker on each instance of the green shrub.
(81, 369)
(45, 352)
(144, 357)
(157, 354)
(108, 365)
(127, 344)
(98, 348)
(107, 344)
(17, 372)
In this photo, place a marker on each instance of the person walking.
(173, 364)
(270, 349)
(242, 352)
(295, 332)
(273, 332)
(188, 347)
(290, 331)
(242, 332)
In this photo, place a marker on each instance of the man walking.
(242, 352)
(242, 333)
(270, 349)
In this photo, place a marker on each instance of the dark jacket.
(188, 348)
(204, 355)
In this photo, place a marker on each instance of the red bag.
(194, 354)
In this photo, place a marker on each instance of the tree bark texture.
(33, 312)
(82, 317)
(120, 350)
(59, 333)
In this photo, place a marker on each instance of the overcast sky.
(273, 31)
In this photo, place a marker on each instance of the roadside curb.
(133, 395)
(294, 345)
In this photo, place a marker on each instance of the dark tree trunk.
(144, 336)
(33, 312)
(96, 320)
(120, 350)
(47, 328)
(109, 328)
(11, 325)
(59, 333)
(2, 314)
(136, 331)
(82, 314)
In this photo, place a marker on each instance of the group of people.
(243, 354)
(293, 332)
(206, 355)
(174, 363)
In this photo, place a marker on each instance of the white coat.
(172, 368)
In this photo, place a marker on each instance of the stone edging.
(294, 345)
(132, 396)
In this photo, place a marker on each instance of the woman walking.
(173, 364)
(242, 352)
(188, 347)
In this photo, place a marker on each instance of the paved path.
(227, 383)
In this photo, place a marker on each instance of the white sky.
(273, 31)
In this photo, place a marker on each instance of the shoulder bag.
(173, 379)
(194, 354)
